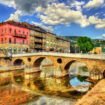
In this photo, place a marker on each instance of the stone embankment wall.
(96, 96)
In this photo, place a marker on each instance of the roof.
(24, 25)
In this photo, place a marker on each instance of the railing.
(20, 36)
(37, 35)
(38, 40)
(37, 46)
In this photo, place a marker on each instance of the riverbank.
(96, 96)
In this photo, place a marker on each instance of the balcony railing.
(38, 41)
(20, 36)
(38, 35)
(37, 46)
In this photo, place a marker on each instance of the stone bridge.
(64, 60)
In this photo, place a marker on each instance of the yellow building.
(50, 42)
(97, 50)
(62, 45)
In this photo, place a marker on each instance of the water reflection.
(44, 100)
(79, 85)
(78, 74)
(43, 89)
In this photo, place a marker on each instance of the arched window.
(5, 51)
(19, 50)
(14, 50)
(23, 50)
(10, 50)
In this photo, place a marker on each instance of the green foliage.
(85, 44)
(95, 53)
(82, 78)
(18, 80)
(84, 69)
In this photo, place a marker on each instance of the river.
(36, 89)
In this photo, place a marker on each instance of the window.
(5, 40)
(19, 32)
(10, 30)
(27, 33)
(27, 42)
(14, 41)
(15, 51)
(19, 50)
(23, 41)
(2, 32)
(23, 32)
(5, 30)
(19, 41)
(15, 32)
(9, 40)
(1, 40)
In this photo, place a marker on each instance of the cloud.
(26, 6)
(48, 28)
(15, 16)
(103, 35)
(52, 13)
(77, 5)
(99, 23)
(61, 14)
(94, 4)
(9, 3)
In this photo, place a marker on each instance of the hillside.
(73, 38)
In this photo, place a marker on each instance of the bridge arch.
(104, 74)
(69, 64)
(38, 61)
(18, 62)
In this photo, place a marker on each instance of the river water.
(36, 89)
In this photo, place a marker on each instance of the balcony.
(38, 35)
(20, 36)
(37, 46)
(38, 41)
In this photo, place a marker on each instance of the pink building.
(14, 37)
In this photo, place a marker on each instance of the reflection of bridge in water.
(27, 65)
(61, 61)
(33, 83)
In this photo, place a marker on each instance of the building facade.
(37, 39)
(50, 42)
(14, 37)
(62, 45)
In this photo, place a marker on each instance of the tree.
(85, 44)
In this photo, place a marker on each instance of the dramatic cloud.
(99, 23)
(26, 6)
(15, 16)
(61, 14)
(77, 5)
(29, 6)
(94, 4)
(48, 28)
(9, 3)
(52, 13)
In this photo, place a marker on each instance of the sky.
(62, 17)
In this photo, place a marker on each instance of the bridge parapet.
(62, 60)
(88, 56)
